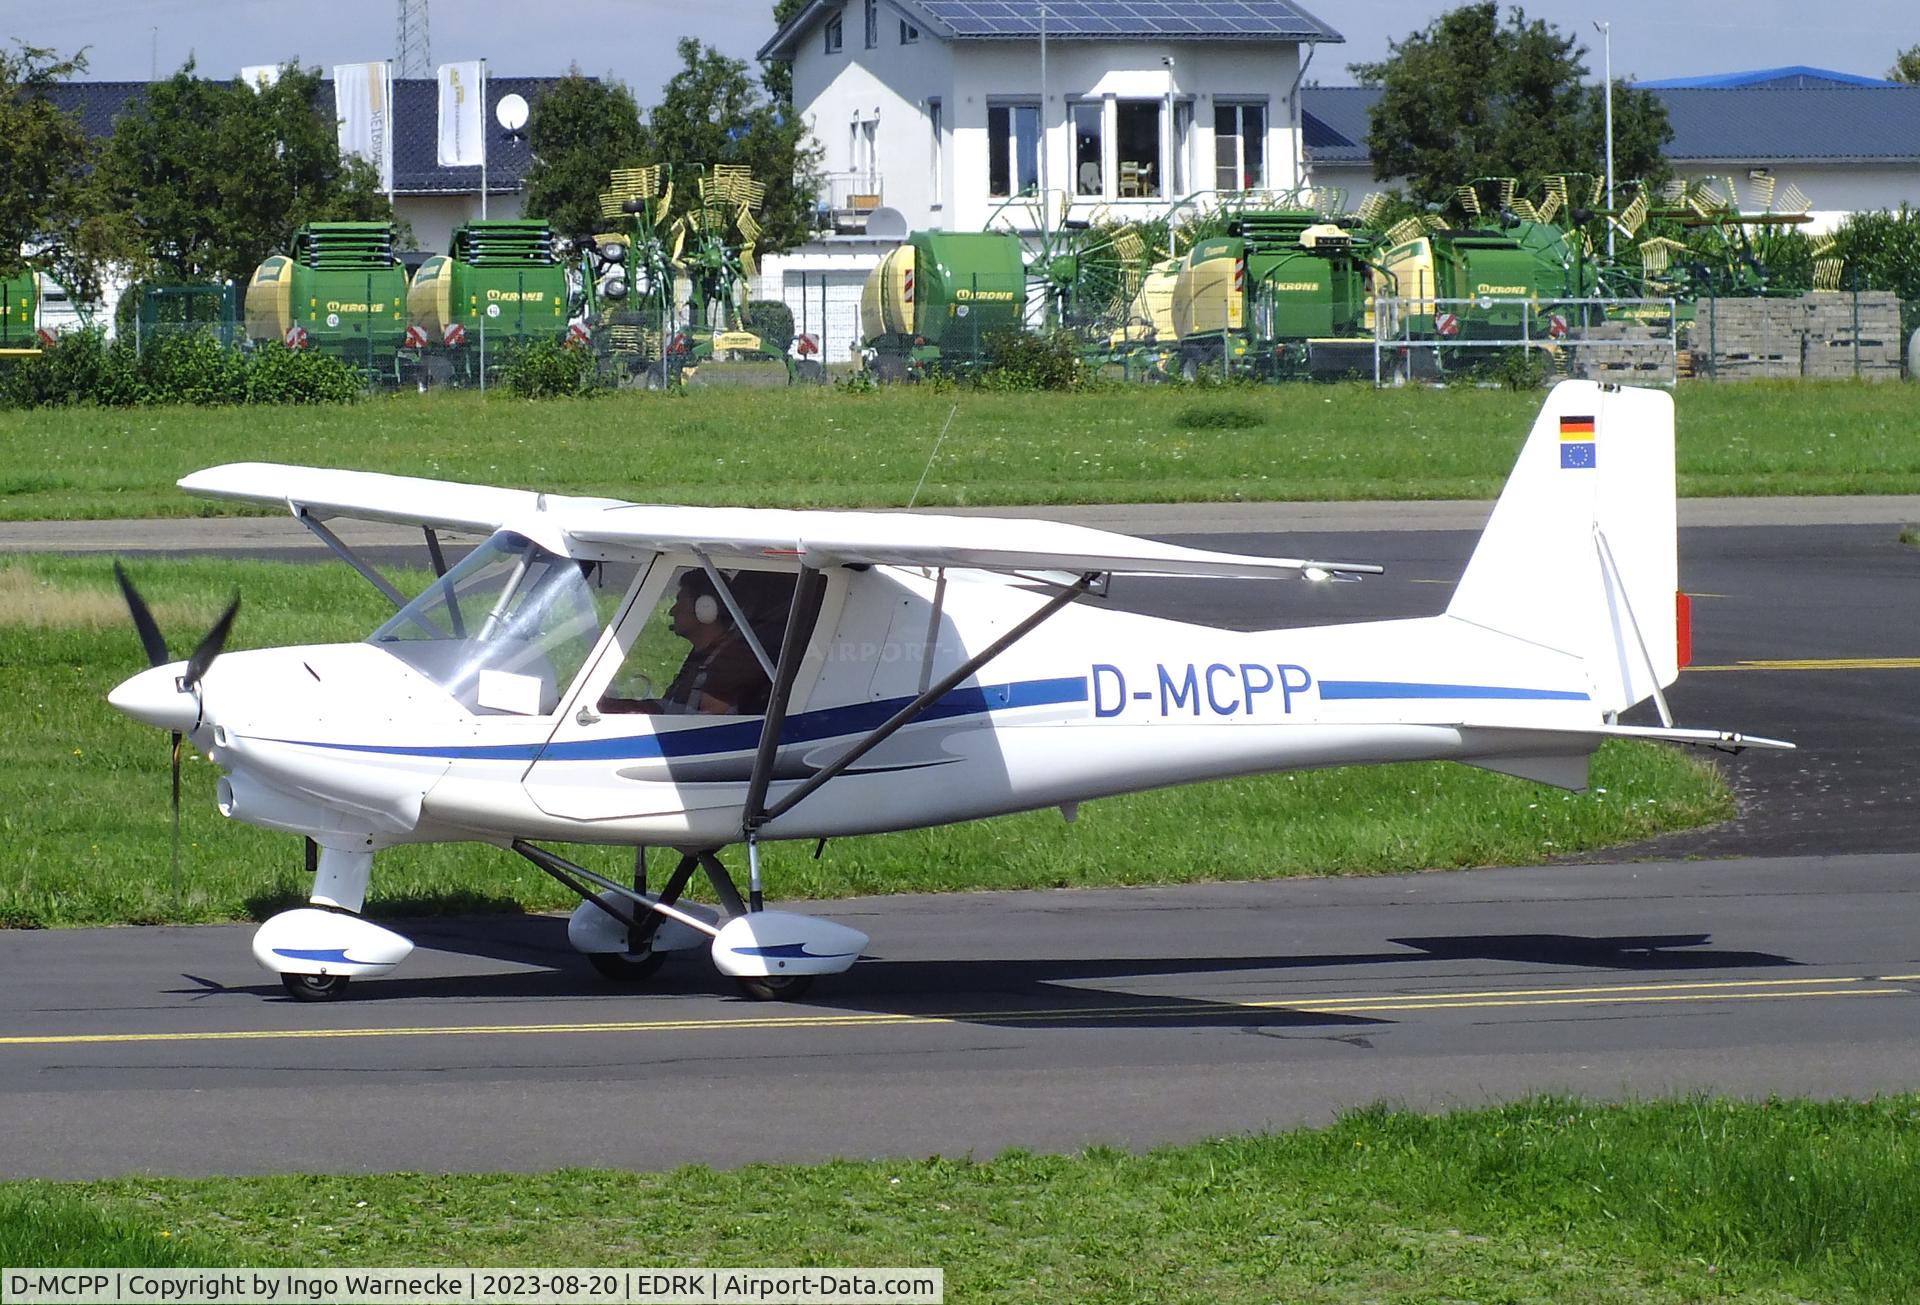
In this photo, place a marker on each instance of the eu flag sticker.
(1577, 455)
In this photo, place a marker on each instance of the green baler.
(933, 302)
(341, 291)
(503, 278)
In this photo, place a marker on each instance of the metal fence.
(1634, 341)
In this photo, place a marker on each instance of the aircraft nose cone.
(153, 697)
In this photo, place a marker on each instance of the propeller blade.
(150, 637)
(210, 646)
(175, 859)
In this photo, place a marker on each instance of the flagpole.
(386, 66)
(483, 140)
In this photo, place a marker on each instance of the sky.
(633, 40)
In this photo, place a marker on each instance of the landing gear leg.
(773, 987)
(340, 881)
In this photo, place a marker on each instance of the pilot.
(720, 676)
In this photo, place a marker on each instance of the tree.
(1469, 97)
(202, 180)
(1906, 66)
(44, 156)
(711, 112)
(777, 74)
(580, 131)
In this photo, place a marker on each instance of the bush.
(772, 321)
(548, 369)
(1218, 417)
(192, 368)
(1017, 360)
(189, 368)
(277, 374)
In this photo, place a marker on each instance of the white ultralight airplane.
(688, 678)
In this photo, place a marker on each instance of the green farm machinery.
(934, 301)
(19, 313)
(341, 291)
(502, 283)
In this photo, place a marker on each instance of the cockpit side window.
(707, 648)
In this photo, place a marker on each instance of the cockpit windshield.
(506, 630)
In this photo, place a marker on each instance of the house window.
(1136, 132)
(1013, 148)
(833, 34)
(909, 34)
(933, 152)
(1089, 122)
(863, 153)
(1239, 146)
(873, 23)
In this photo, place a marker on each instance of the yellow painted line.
(1821, 664)
(1706, 990)
(1898, 978)
(1622, 1000)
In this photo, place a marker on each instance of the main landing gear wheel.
(775, 987)
(627, 967)
(314, 987)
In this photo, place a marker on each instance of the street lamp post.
(1606, 32)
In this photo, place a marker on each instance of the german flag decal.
(1576, 443)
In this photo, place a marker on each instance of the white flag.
(363, 98)
(463, 116)
(259, 76)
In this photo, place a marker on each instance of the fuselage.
(360, 742)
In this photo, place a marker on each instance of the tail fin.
(1580, 555)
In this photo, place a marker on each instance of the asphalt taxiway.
(1132, 1017)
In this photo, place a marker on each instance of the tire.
(624, 967)
(314, 987)
(783, 987)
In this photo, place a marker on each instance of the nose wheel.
(778, 987)
(314, 987)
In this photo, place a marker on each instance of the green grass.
(83, 800)
(811, 447)
(1546, 1200)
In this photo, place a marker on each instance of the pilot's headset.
(706, 603)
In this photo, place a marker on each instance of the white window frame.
(872, 21)
(936, 126)
(1013, 104)
(909, 34)
(1238, 105)
(833, 35)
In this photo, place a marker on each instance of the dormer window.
(833, 34)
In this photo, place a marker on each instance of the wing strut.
(757, 812)
(347, 555)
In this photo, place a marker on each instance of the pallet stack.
(1628, 352)
(1826, 335)
(1751, 339)
(1844, 340)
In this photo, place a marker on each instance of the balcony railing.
(847, 198)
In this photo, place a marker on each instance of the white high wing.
(690, 678)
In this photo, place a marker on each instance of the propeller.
(202, 657)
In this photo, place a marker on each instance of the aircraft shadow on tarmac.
(1000, 990)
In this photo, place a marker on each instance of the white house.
(962, 114)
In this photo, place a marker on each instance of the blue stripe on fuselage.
(743, 736)
(1350, 689)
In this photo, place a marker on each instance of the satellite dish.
(511, 111)
(887, 224)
